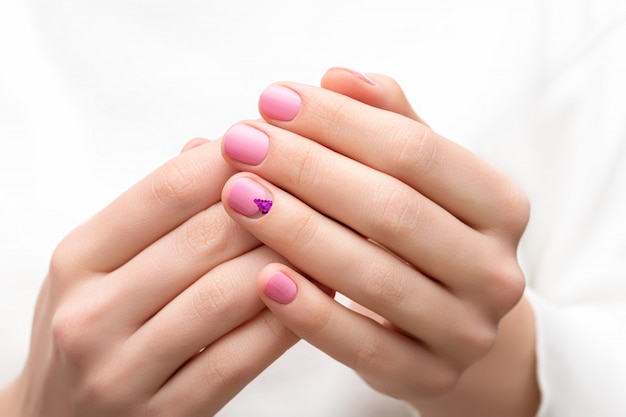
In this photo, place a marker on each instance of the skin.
(150, 307)
(166, 275)
(419, 232)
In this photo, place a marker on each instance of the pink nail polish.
(358, 74)
(280, 103)
(280, 288)
(246, 144)
(249, 198)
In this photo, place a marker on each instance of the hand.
(150, 308)
(377, 206)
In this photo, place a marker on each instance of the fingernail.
(249, 198)
(246, 144)
(280, 288)
(280, 103)
(358, 74)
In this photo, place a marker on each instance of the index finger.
(182, 187)
(467, 186)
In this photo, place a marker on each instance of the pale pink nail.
(246, 144)
(358, 74)
(249, 198)
(280, 103)
(280, 288)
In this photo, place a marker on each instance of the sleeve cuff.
(581, 364)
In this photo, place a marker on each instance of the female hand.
(416, 229)
(150, 308)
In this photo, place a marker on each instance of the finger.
(184, 186)
(343, 260)
(393, 363)
(374, 89)
(167, 267)
(374, 204)
(465, 185)
(221, 300)
(194, 143)
(214, 376)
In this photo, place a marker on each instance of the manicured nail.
(280, 103)
(280, 288)
(246, 144)
(358, 74)
(249, 198)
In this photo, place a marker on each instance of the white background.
(94, 95)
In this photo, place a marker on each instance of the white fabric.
(93, 95)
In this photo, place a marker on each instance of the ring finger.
(345, 261)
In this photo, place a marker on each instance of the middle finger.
(343, 260)
(370, 202)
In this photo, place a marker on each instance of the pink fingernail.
(358, 74)
(280, 103)
(249, 198)
(280, 288)
(246, 144)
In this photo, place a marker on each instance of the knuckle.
(416, 150)
(76, 328)
(301, 233)
(273, 326)
(67, 335)
(224, 369)
(207, 232)
(505, 282)
(368, 354)
(302, 166)
(516, 210)
(96, 389)
(477, 338)
(383, 286)
(171, 184)
(441, 381)
(399, 214)
(315, 322)
(212, 296)
(104, 390)
(63, 266)
(333, 116)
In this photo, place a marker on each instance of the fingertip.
(351, 83)
(343, 72)
(193, 143)
(247, 194)
(280, 288)
(280, 103)
(282, 284)
(376, 90)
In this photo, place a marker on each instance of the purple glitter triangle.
(263, 205)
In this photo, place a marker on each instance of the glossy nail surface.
(246, 144)
(280, 288)
(280, 103)
(358, 74)
(249, 198)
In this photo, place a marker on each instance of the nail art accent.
(280, 103)
(263, 205)
(249, 198)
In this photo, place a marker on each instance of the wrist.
(504, 382)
